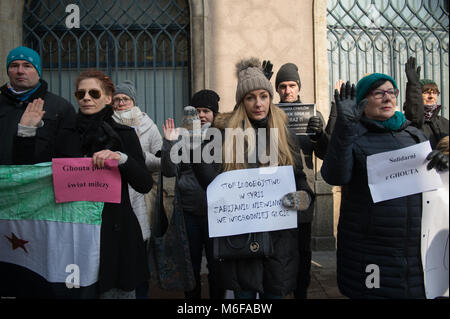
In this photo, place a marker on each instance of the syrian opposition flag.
(56, 247)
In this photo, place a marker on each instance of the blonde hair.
(277, 118)
(442, 145)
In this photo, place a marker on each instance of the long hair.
(277, 118)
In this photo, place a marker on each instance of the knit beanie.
(206, 98)
(428, 84)
(126, 87)
(288, 72)
(27, 54)
(251, 77)
(366, 82)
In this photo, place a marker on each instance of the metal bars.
(145, 41)
(366, 36)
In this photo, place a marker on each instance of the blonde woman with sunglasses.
(123, 263)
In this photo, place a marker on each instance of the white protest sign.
(249, 200)
(400, 173)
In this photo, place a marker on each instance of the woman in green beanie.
(387, 233)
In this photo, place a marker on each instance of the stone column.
(199, 51)
(11, 31)
(323, 237)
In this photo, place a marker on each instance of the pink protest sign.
(75, 179)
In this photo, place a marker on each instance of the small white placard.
(400, 173)
(249, 200)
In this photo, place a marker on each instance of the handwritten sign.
(400, 173)
(249, 200)
(299, 115)
(75, 179)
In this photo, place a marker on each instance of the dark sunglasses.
(95, 94)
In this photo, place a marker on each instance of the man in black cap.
(288, 86)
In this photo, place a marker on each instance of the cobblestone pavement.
(323, 280)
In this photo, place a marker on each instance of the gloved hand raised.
(438, 160)
(412, 73)
(315, 126)
(267, 69)
(299, 200)
(348, 112)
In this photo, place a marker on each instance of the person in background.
(205, 107)
(25, 85)
(288, 87)
(126, 112)
(272, 277)
(123, 258)
(421, 106)
(387, 233)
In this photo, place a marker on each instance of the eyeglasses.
(379, 94)
(95, 94)
(431, 92)
(118, 100)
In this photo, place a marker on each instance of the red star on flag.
(17, 242)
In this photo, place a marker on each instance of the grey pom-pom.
(252, 62)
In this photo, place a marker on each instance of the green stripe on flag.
(26, 192)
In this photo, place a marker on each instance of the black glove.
(438, 160)
(347, 110)
(267, 69)
(412, 73)
(315, 126)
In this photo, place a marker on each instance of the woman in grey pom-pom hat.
(272, 276)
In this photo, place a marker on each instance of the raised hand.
(170, 132)
(347, 110)
(33, 113)
(267, 69)
(339, 84)
(412, 73)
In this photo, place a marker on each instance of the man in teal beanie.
(366, 82)
(25, 87)
(25, 54)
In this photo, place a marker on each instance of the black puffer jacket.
(387, 233)
(275, 275)
(59, 115)
(435, 128)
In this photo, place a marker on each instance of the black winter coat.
(277, 274)
(123, 258)
(387, 233)
(59, 115)
(193, 196)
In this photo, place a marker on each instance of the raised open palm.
(33, 113)
(170, 132)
